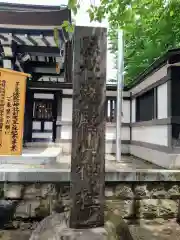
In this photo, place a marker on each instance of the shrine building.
(151, 116)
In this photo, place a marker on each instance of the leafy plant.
(151, 27)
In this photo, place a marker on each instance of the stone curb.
(37, 174)
(27, 159)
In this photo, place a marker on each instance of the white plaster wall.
(66, 109)
(66, 129)
(151, 134)
(110, 147)
(114, 93)
(126, 111)
(155, 77)
(68, 92)
(156, 157)
(111, 132)
(66, 132)
(162, 101)
(44, 95)
(133, 111)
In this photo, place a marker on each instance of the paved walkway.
(52, 157)
(127, 162)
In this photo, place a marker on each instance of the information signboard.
(12, 103)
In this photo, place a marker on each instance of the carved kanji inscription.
(88, 128)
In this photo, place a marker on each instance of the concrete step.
(32, 155)
(53, 155)
(42, 145)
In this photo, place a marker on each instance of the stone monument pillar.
(86, 221)
(88, 128)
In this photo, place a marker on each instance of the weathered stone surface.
(109, 192)
(13, 191)
(39, 190)
(116, 227)
(48, 190)
(15, 235)
(123, 191)
(174, 191)
(160, 211)
(64, 191)
(157, 191)
(141, 191)
(123, 206)
(82, 234)
(27, 209)
(32, 190)
(158, 208)
(148, 208)
(167, 208)
(159, 194)
(88, 128)
(153, 230)
(55, 227)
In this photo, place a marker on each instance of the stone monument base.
(83, 234)
(56, 227)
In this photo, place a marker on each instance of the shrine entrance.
(44, 117)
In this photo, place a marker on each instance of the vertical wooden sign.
(88, 128)
(12, 101)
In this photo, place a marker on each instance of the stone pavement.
(32, 156)
(64, 163)
(53, 157)
(127, 162)
(42, 164)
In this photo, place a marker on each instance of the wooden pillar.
(88, 128)
(68, 61)
(28, 114)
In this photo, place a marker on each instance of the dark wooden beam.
(35, 18)
(88, 128)
(52, 74)
(39, 50)
(27, 7)
(48, 85)
(68, 61)
(46, 70)
(62, 85)
(32, 64)
(23, 31)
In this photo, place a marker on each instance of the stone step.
(32, 155)
(41, 144)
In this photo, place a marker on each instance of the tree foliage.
(151, 27)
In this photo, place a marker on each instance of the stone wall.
(145, 206)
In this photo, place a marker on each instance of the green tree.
(151, 27)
